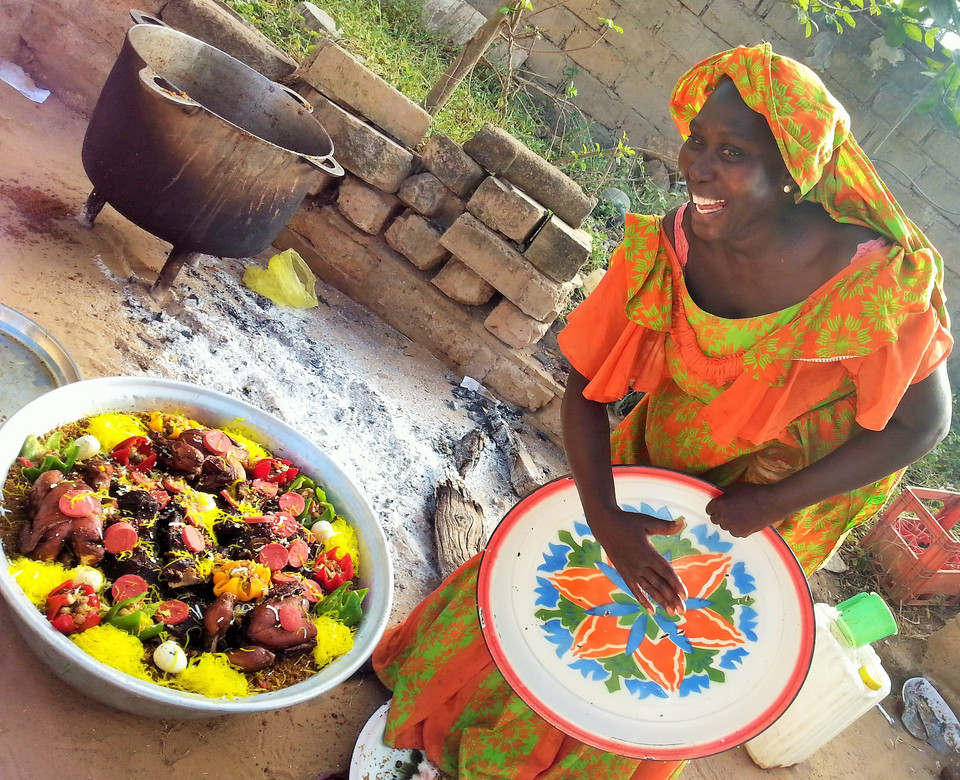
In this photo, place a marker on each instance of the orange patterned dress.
(753, 399)
(727, 400)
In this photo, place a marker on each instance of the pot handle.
(304, 103)
(156, 84)
(142, 17)
(334, 169)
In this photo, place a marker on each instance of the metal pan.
(31, 362)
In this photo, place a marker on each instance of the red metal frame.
(916, 557)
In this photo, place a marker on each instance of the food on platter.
(182, 554)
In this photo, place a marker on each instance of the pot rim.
(147, 29)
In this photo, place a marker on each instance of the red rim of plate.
(765, 719)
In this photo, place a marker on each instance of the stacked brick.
(469, 250)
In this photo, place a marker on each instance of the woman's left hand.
(744, 509)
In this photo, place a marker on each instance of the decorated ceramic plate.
(577, 647)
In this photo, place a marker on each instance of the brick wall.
(469, 250)
(625, 82)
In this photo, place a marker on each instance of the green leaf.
(587, 556)
(895, 36)
(930, 39)
(570, 615)
(610, 23)
(913, 31)
(927, 105)
(723, 602)
(942, 11)
(715, 674)
(621, 665)
(673, 545)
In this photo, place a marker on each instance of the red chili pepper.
(135, 453)
(27, 464)
(72, 608)
(276, 470)
(332, 570)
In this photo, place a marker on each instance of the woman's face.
(733, 169)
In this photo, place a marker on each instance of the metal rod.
(93, 206)
(175, 261)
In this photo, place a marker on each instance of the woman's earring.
(788, 188)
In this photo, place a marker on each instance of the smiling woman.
(788, 330)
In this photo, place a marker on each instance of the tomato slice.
(78, 503)
(275, 556)
(292, 503)
(312, 591)
(299, 553)
(128, 586)
(120, 537)
(285, 524)
(193, 539)
(217, 442)
(173, 612)
(291, 618)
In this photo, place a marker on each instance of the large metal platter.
(210, 407)
(31, 362)
(576, 646)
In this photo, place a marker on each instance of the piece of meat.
(97, 473)
(184, 458)
(46, 482)
(217, 473)
(51, 535)
(282, 624)
(251, 658)
(217, 620)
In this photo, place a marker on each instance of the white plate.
(617, 678)
(374, 760)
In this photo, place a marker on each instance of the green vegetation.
(388, 37)
(930, 23)
(940, 469)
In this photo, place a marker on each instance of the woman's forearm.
(921, 420)
(586, 440)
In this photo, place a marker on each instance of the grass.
(940, 469)
(388, 37)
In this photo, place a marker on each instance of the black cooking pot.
(198, 148)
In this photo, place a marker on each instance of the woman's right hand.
(625, 538)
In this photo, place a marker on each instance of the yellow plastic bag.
(287, 281)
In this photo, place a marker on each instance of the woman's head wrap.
(812, 131)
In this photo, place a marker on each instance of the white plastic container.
(843, 684)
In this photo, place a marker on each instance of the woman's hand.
(625, 538)
(744, 509)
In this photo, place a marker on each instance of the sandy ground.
(383, 408)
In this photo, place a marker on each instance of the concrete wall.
(625, 82)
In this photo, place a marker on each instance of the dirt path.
(366, 392)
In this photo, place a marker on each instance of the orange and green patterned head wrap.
(812, 131)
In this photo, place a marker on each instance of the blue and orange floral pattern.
(601, 631)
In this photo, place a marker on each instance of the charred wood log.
(458, 526)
